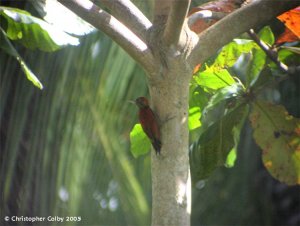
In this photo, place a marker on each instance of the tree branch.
(176, 18)
(273, 55)
(235, 24)
(205, 15)
(126, 12)
(118, 32)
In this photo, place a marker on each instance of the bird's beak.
(131, 101)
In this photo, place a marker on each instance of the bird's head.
(142, 102)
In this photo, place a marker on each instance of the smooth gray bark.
(170, 186)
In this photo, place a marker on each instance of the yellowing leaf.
(277, 133)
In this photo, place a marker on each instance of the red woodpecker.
(149, 122)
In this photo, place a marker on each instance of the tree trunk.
(171, 188)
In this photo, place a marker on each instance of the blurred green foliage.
(65, 150)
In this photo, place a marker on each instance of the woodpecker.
(149, 123)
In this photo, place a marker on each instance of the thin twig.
(117, 31)
(126, 12)
(273, 55)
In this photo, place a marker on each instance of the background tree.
(169, 88)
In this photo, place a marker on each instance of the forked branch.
(175, 22)
(116, 30)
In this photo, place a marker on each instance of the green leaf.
(214, 79)
(33, 32)
(256, 66)
(194, 118)
(215, 143)
(216, 75)
(63, 18)
(220, 103)
(293, 49)
(231, 52)
(266, 35)
(197, 102)
(265, 77)
(6, 45)
(8, 48)
(140, 144)
(198, 97)
(278, 135)
(259, 57)
(289, 55)
(231, 157)
(29, 74)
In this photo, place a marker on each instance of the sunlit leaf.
(29, 74)
(231, 157)
(140, 144)
(278, 135)
(198, 97)
(63, 18)
(33, 32)
(266, 35)
(216, 75)
(8, 48)
(194, 118)
(197, 102)
(214, 80)
(231, 52)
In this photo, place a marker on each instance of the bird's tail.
(156, 143)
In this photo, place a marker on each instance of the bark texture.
(170, 186)
(169, 91)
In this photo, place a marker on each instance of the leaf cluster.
(224, 92)
(235, 95)
(34, 33)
